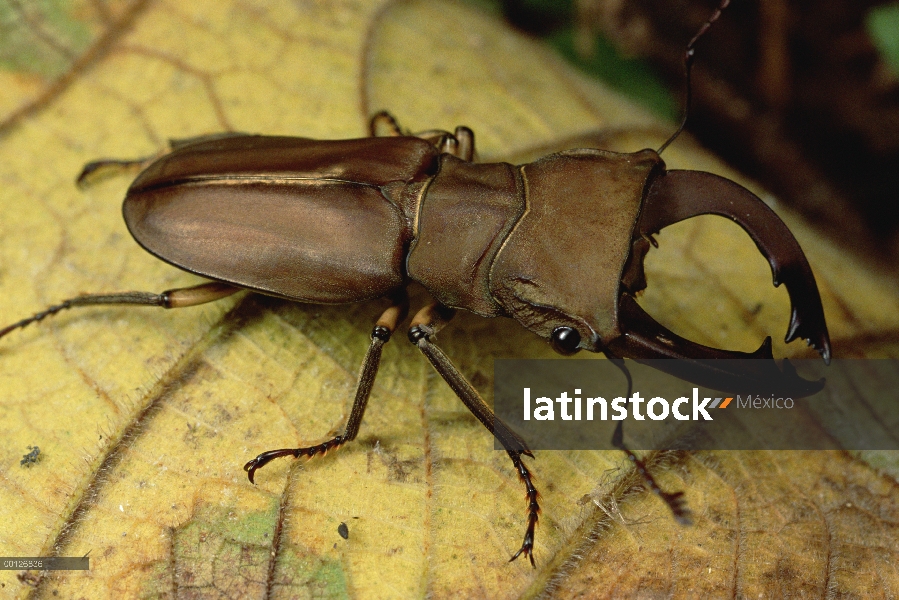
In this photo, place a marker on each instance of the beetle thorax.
(561, 264)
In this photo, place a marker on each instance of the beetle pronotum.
(494, 239)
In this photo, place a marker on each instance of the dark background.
(798, 94)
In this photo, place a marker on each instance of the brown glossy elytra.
(557, 244)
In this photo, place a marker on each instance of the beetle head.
(571, 266)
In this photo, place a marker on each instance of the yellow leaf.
(145, 417)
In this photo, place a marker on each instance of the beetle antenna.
(688, 67)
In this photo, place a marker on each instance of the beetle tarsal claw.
(266, 457)
(678, 503)
(679, 195)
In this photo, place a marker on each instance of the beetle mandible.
(352, 220)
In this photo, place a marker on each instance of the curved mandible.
(645, 340)
(679, 195)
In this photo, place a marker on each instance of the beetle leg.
(460, 143)
(465, 148)
(177, 298)
(675, 501)
(384, 124)
(96, 170)
(381, 333)
(427, 322)
(384, 119)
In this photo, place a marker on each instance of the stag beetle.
(557, 244)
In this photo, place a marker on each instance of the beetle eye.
(565, 340)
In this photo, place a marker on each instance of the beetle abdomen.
(335, 242)
(318, 233)
(373, 161)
